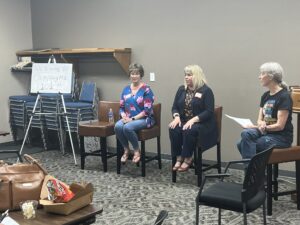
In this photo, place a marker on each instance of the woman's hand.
(188, 124)
(126, 119)
(175, 122)
(262, 127)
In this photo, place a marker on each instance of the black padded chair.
(245, 197)
(163, 214)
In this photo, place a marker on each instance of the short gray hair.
(274, 70)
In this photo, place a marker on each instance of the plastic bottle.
(111, 116)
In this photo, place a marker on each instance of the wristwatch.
(132, 118)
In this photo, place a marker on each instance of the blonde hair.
(198, 76)
(275, 71)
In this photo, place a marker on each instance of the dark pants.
(184, 142)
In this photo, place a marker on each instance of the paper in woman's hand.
(242, 121)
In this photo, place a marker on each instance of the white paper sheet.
(242, 121)
(9, 221)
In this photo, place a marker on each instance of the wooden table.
(86, 215)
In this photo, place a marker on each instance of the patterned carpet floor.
(130, 199)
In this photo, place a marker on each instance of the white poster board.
(51, 78)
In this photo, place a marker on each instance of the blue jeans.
(126, 132)
(252, 142)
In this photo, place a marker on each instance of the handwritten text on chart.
(51, 78)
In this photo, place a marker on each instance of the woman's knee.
(127, 128)
(119, 126)
(248, 133)
(174, 131)
(191, 133)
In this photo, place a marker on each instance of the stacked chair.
(37, 120)
(21, 108)
(52, 119)
(81, 110)
(18, 113)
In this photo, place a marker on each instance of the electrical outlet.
(152, 76)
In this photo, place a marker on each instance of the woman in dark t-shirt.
(274, 124)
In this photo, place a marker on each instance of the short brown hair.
(136, 67)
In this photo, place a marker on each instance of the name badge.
(198, 95)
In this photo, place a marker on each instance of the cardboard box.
(83, 196)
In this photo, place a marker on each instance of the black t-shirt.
(271, 104)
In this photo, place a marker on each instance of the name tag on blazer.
(198, 95)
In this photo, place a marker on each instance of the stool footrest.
(149, 159)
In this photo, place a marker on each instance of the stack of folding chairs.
(82, 110)
(18, 113)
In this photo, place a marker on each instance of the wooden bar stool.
(200, 167)
(283, 155)
(143, 135)
(291, 154)
(99, 128)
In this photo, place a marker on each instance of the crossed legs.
(252, 142)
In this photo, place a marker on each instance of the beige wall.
(228, 39)
(15, 34)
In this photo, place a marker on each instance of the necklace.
(134, 89)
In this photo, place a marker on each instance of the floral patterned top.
(188, 112)
(142, 101)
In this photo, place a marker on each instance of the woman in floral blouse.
(136, 111)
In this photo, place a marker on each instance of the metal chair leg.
(244, 214)
(264, 213)
(219, 216)
(197, 213)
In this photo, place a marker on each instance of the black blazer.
(203, 106)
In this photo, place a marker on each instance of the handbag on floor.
(20, 182)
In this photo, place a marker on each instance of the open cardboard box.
(83, 196)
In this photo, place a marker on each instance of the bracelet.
(176, 115)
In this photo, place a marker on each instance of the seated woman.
(136, 111)
(193, 113)
(274, 126)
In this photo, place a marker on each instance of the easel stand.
(41, 113)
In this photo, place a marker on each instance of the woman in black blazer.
(193, 113)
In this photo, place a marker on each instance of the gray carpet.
(129, 199)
